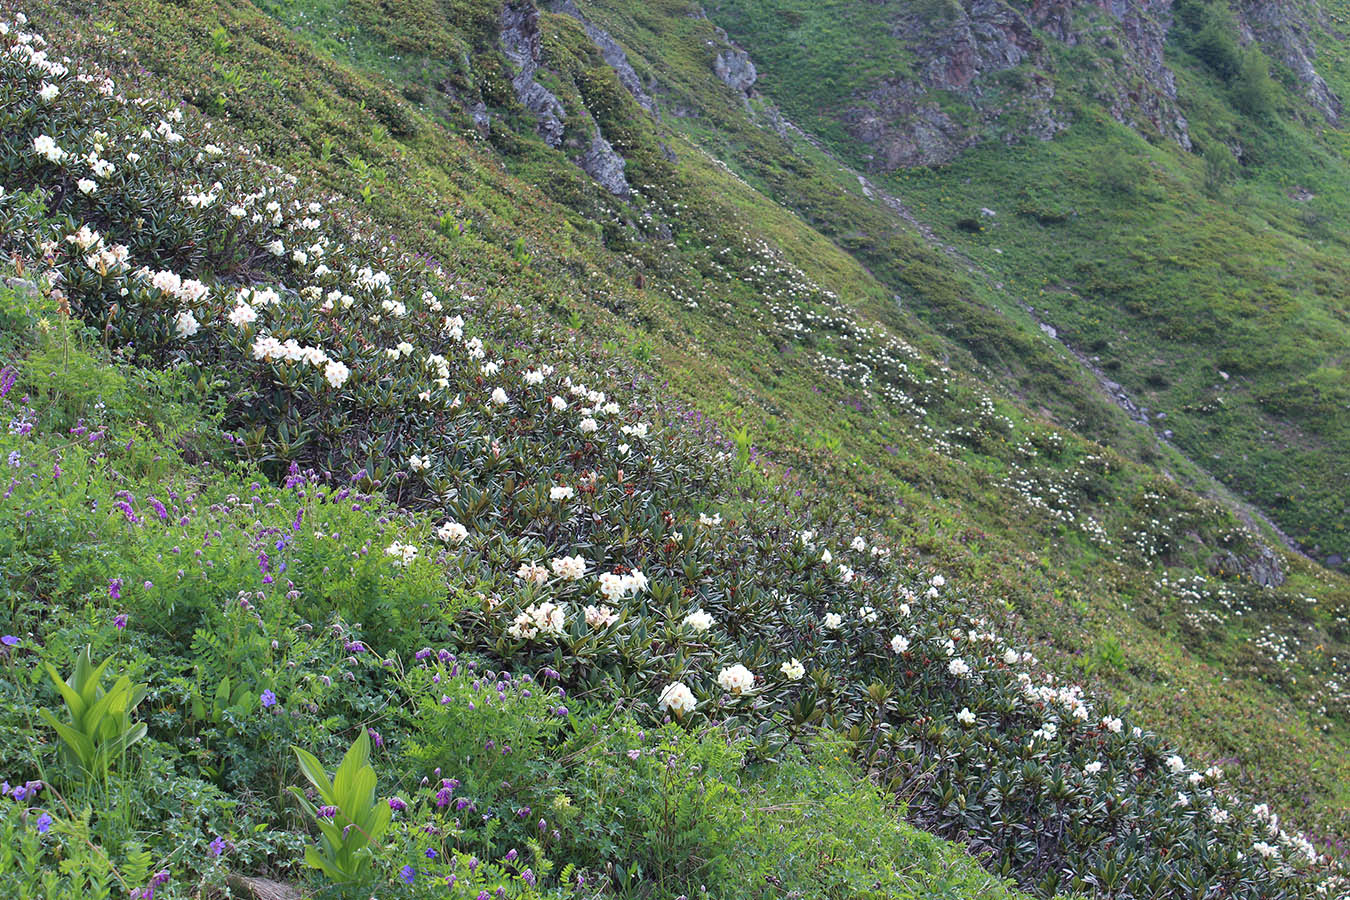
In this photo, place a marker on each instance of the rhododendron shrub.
(586, 535)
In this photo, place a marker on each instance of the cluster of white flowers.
(568, 568)
(792, 670)
(677, 698)
(403, 554)
(600, 616)
(698, 621)
(615, 587)
(736, 679)
(452, 532)
(545, 618)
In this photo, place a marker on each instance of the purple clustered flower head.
(397, 804)
(9, 640)
(217, 847)
(44, 823)
(120, 621)
(408, 874)
(328, 812)
(375, 737)
(114, 588)
(268, 699)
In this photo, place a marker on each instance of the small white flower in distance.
(452, 532)
(587, 426)
(736, 679)
(965, 716)
(600, 616)
(1092, 768)
(336, 373)
(561, 492)
(499, 397)
(833, 621)
(899, 644)
(570, 568)
(87, 185)
(792, 670)
(186, 324)
(677, 698)
(699, 620)
(532, 571)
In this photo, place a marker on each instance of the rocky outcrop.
(733, 66)
(959, 54)
(612, 53)
(1284, 31)
(601, 162)
(1142, 91)
(520, 44)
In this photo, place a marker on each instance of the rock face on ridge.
(521, 44)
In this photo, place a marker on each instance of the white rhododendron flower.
(899, 644)
(1176, 764)
(569, 568)
(965, 716)
(833, 621)
(45, 146)
(709, 521)
(600, 616)
(1092, 768)
(87, 185)
(499, 397)
(792, 670)
(561, 492)
(532, 572)
(558, 403)
(336, 373)
(547, 618)
(587, 426)
(185, 324)
(677, 698)
(452, 532)
(958, 667)
(243, 315)
(736, 679)
(419, 463)
(402, 554)
(698, 621)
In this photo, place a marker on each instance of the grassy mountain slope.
(1166, 266)
(1086, 542)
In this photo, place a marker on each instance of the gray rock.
(1285, 32)
(734, 67)
(613, 54)
(602, 163)
(520, 44)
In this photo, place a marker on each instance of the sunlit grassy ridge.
(951, 470)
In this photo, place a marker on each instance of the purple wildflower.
(44, 822)
(408, 874)
(268, 699)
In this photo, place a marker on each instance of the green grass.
(363, 114)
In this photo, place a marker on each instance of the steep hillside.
(1164, 187)
(601, 189)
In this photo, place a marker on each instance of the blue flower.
(407, 873)
(268, 699)
(44, 822)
